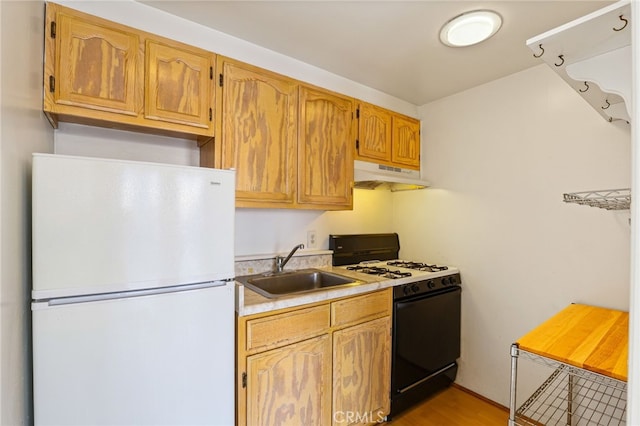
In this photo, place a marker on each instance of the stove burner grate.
(377, 270)
(417, 266)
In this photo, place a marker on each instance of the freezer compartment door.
(164, 359)
(108, 225)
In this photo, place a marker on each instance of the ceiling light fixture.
(470, 28)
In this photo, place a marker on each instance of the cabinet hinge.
(210, 114)
(244, 380)
(220, 80)
(53, 29)
(210, 73)
(358, 113)
(52, 84)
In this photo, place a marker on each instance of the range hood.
(379, 176)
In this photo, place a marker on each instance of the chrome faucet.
(281, 261)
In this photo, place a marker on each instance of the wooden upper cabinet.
(374, 133)
(101, 73)
(406, 142)
(90, 63)
(257, 133)
(325, 149)
(178, 84)
(386, 137)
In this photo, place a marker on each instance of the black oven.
(426, 340)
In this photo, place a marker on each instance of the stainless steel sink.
(273, 285)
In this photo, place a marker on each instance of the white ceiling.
(391, 46)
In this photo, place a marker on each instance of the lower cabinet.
(327, 363)
(361, 373)
(291, 385)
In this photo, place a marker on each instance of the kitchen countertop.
(248, 302)
(588, 337)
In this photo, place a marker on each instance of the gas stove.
(396, 269)
(414, 278)
(377, 254)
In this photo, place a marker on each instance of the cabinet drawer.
(361, 308)
(286, 328)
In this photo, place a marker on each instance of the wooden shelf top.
(588, 337)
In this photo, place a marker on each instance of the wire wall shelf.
(573, 396)
(609, 199)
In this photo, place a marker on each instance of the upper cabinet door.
(258, 133)
(325, 149)
(406, 142)
(95, 64)
(374, 133)
(178, 84)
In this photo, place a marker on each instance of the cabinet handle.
(244, 380)
(52, 84)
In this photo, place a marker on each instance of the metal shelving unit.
(570, 396)
(609, 199)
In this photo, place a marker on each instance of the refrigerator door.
(108, 225)
(163, 359)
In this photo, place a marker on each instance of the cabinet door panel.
(291, 385)
(362, 372)
(95, 65)
(178, 86)
(259, 125)
(406, 142)
(325, 144)
(374, 133)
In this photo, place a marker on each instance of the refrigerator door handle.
(124, 294)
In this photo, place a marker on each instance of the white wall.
(633, 390)
(24, 130)
(499, 157)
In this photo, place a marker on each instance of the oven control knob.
(406, 290)
(415, 288)
(431, 284)
(445, 281)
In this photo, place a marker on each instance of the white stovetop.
(416, 275)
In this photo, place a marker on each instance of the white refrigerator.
(133, 293)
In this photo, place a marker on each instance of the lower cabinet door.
(291, 385)
(362, 373)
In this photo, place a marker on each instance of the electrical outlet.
(311, 239)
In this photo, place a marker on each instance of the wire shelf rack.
(609, 199)
(573, 396)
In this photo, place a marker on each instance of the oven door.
(426, 337)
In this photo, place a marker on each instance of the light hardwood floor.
(452, 407)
